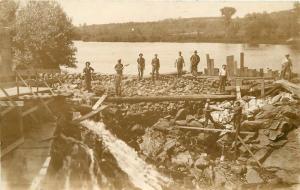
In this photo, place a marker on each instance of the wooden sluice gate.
(19, 100)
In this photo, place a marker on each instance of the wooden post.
(208, 64)
(261, 72)
(212, 67)
(36, 82)
(262, 88)
(235, 68)
(242, 64)
(237, 129)
(230, 65)
(17, 83)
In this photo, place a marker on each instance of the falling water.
(91, 170)
(141, 174)
(93, 180)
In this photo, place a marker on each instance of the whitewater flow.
(91, 170)
(93, 185)
(141, 174)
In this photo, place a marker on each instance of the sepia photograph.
(149, 95)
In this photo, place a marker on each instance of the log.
(291, 87)
(135, 99)
(215, 130)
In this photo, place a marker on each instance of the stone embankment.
(171, 141)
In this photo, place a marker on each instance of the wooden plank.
(12, 146)
(7, 110)
(99, 102)
(50, 89)
(88, 115)
(251, 153)
(9, 103)
(41, 100)
(14, 105)
(215, 130)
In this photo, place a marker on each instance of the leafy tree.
(231, 29)
(227, 13)
(43, 36)
(8, 9)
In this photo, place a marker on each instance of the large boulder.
(290, 177)
(287, 157)
(253, 177)
(202, 162)
(254, 125)
(152, 142)
(182, 159)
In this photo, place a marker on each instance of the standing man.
(88, 76)
(286, 68)
(223, 78)
(155, 67)
(237, 119)
(195, 59)
(118, 78)
(141, 65)
(207, 113)
(179, 63)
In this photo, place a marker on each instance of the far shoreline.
(192, 41)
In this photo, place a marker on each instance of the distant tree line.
(253, 28)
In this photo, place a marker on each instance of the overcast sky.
(117, 11)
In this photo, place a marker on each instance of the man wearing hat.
(195, 59)
(237, 119)
(223, 78)
(118, 78)
(155, 67)
(179, 64)
(286, 71)
(88, 76)
(141, 65)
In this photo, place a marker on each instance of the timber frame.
(11, 102)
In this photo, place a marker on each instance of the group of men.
(155, 66)
(179, 64)
(286, 72)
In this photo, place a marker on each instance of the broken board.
(99, 102)
(88, 115)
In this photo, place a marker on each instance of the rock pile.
(200, 156)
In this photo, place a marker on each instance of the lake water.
(104, 55)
